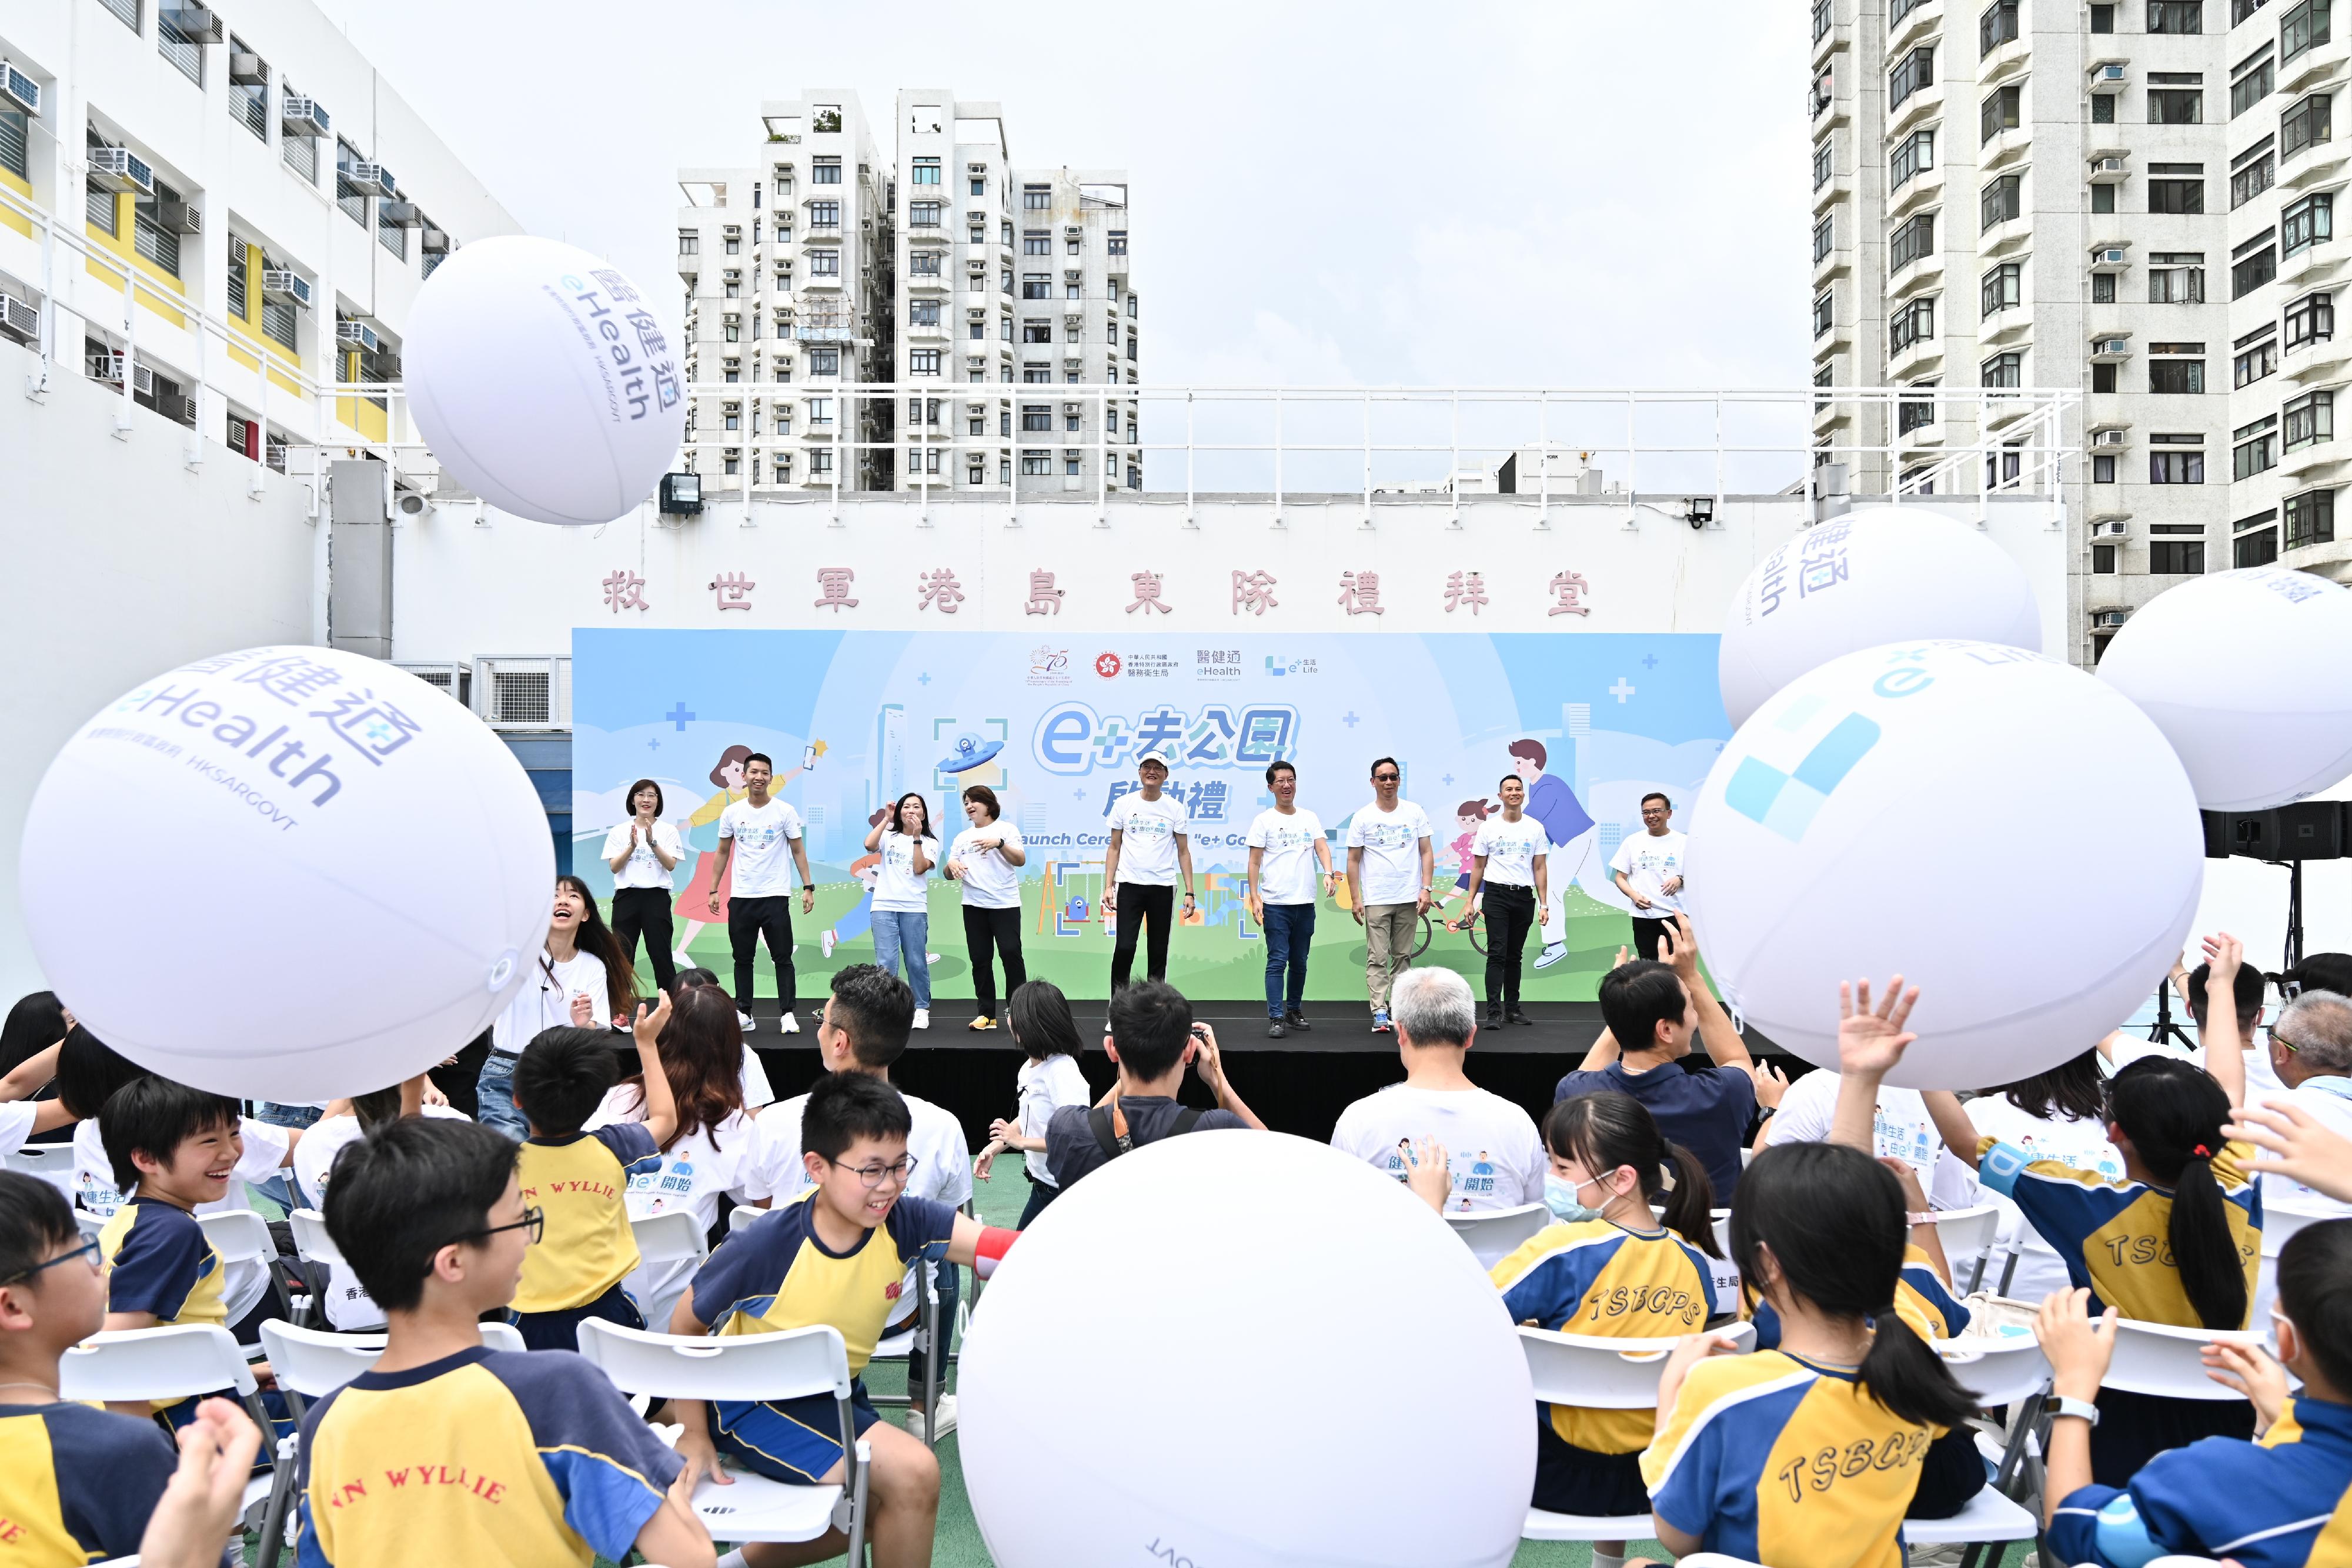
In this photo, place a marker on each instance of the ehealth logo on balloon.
(1786, 802)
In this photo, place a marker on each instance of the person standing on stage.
(1507, 859)
(1285, 844)
(1648, 869)
(987, 858)
(642, 851)
(902, 904)
(1151, 841)
(753, 835)
(1389, 864)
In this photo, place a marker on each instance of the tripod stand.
(2164, 1030)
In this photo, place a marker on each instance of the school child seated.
(442, 1451)
(75, 1484)
(580, 1178)
(837, 1255)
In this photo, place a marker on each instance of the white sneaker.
(947, 1419)
(1551, 955)
(922, 1018)
(790, 1023)
(746, 1021)
(930, 958)
(825, 943)
(677, 957)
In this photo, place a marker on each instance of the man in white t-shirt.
(1901, 1129)
(1509, 859)
(865, 1028)
(2311, 1050)
(754, 835)
(642, 850)
(1390, 864)
(1151, 843)
(1648, 869)
(1286, 845)
(1496, 1156)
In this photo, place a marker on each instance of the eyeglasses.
(1386, 777)
(87, 1249)
(533, 1221)
(872, 1176)
(2293, 1048)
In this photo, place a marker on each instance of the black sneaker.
(1273, 1031)
(1296, 1020)
(1516, 1016)
(1494, 1018)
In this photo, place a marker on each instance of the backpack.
(1111, 1135)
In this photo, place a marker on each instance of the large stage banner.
(1053, 725)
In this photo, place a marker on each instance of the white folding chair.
(53, 1163)
(241, 1236)
(1496, 1234)
(317, 1249)
(2280, 1222)
(1983, 1529)
(1596, 1374)
(669, 1247)
(1966, 1234)
(2162, 1358)
(174, 1362)
(743, 1216)
(788, 1365)
(923, 1330)
(2012, 1373)
(88, 1224)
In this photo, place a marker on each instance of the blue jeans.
(902, 934)
(494, 1098)
(1289, 932)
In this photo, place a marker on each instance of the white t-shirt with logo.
(348, 1305)
(2333, 1109)
(1044, 1088)
(264, 1152)
(1510, 849)
(643, 868)
(774, 1169)
(2081, 1144)
(1392, 844)
(1148, 831)
(1497, 1157)
(763, 856)
(1647, 859)
(989, 881)
(545, 1000)
(1901, 1130)
(1287, 870)
(897, 888)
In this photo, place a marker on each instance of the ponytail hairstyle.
(1041, 1021)
(1833, 1219)
(1603, 1131)
(2318, 972)
(702, 1057)
(2172, 1113)
(595, 937)
(2072, 1090)
(375, 1108)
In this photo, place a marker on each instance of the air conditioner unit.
(106, 366)
(2108, 75)
(2110, 438)
(197, 24)
(119, 169)
(237, 252)
(245, 70)
(301, 116)
(400, 215)
(358, 334)
(20, 89)
(434, 242)
(387, 364)
(2113, 256)
(374, 179)
(2117, 346)
(188, 413)
(20, 318)
(2113, 531)
(2109, 620)
(287, 286)
(179, 217)
(2109, 166)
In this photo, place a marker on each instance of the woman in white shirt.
(580, 979)
(642, 851)
(987, 858)
(1048, 1036)
(902, 921)
(2061, 1115)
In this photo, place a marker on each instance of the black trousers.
(2135, 1428)
(747, 920)
(646, 909)
(1137, 904)
(987, 933)
(1510, 913)
(1647, 934)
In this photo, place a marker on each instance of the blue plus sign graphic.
(678, 715)
(1445, 778)
(1649, 660)
(653, 745)
(1349, 719)
(1078, 794)
(924, 679)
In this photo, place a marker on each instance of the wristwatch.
(2081, 1408)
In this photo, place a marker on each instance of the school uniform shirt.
(763, 866)
(1900, 1129)
(1922, 1299)
(1773, 1458)
(264, 1153)
(2081, 1144)
(76, 1483)
(1045, 1087)
(777, 1274)
(897, 888)
(1595, 1277)
(989, 881)
(1706, 1112)
(2329, 1101)
(2113, 1233)
(643, 868)
(1287, 868)
(348, 1305)
(1497, 1157)
(1645, 861)
(1510, 849)
(481, 1457)
(587, 1247)
(2278, 1502)
(158, 1260)
(1148, 831)
(543, 1000)
(1392, 844)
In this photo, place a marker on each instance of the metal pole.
(1102, 457)
(1453, 459)
(1368, 459)
(1543, 459)
(841, 412)
(1718, 460)
(1192, 520)
(1632, 477)
(1277, 458)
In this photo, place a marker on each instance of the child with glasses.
(838, 1256)
(580, 1178)
(445, 1451)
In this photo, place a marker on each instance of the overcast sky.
(1558, 191)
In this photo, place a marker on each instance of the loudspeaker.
(2305, 831)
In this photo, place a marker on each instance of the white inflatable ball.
(541, 380)
(286, 873)
(1878, 574)
(2012, 835)
(1244, 1261)
(2245, 672)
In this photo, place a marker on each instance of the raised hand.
(1871, 1042)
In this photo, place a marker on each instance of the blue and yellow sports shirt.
(1776, 1459)
(2113, 1233)
(776, 1274)
(581, 1182)
(1921, 1299)
(1594, 1277)
(76, 1484)
(158, 1260)
(482, 1457)
(2277, 1503)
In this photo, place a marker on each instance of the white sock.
(1599, 1561)
(734, 1560)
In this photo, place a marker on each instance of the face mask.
(1560, 1197)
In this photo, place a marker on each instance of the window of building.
(823, 215)
(2102, 19)
(1036, 285)
(1997, 27)
(2001, 201)
(1915, 239)
(2176, 278)
(1036, 462)
(2308, 420)
(734, 462)
(2306, 223)
(1823, 90)
(393, 236)
(2001, 288)
(732, 417)
(1036, 375)
(732, 330)
(2257, 355)
(2311, 518)
(2103, 108)
(2311, 319)
(1036, 198)
(2103, 288)
(2252, 173)
(922, 362)
(2102, 378)
(2253, 81)
(1914, 154)
(1824, 162)
(248, 101)
(1037, 331)
(923, 263)
(689, 242)
(1036, 416)
(1824, 313)
(239, 260)
(2306, 124)
(184, 52)
(2102, 560)
(820, 460)
(2103, 198)
(149, 236)
(2175, 467)
(348, 196)
(822, 363)
(825, 171)
(820, 409)
(980, 184)
(2176, 195)
(1999, 112)
(922, 214)
(2176, 15)
(1913, 412)
(2002, 370)
(2253, 264)
(2303, 29)
(825, 264)
(2103, 470)
(2254, 447)
(1824, 235)
(1917, 70)
(922, 312)
(2241, 9)
(926, 171)
(1037, 241)
(2176, 106)
(2259, 548)
(2174, 375)
(2176, 557)
(1821, 20)
(1909, 324)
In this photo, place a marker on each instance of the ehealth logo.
(1787, 800)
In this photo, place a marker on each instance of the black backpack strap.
(1110, 1143)
(1186, 1120)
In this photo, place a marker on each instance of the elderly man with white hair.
(1497, 1158)
(2311, 1051)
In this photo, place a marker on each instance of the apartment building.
(2026, 193)
(939, 263)
(224, 213)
